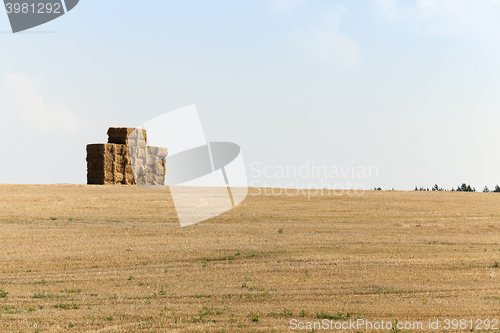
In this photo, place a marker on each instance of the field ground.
(77, 258)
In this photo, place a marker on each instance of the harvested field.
(114, 259)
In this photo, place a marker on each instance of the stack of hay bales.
(125, 159)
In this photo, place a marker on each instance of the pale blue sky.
(409, 87)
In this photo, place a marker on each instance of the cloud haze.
(53, 118)
(324, 41)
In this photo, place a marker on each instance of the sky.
(379, 93)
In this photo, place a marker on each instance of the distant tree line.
(461, 188)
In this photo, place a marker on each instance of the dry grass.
(114, 259)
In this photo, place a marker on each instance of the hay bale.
(125, 154)
(121, 135)
(95, 163)
(106, 163)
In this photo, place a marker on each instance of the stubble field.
(77, 258)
